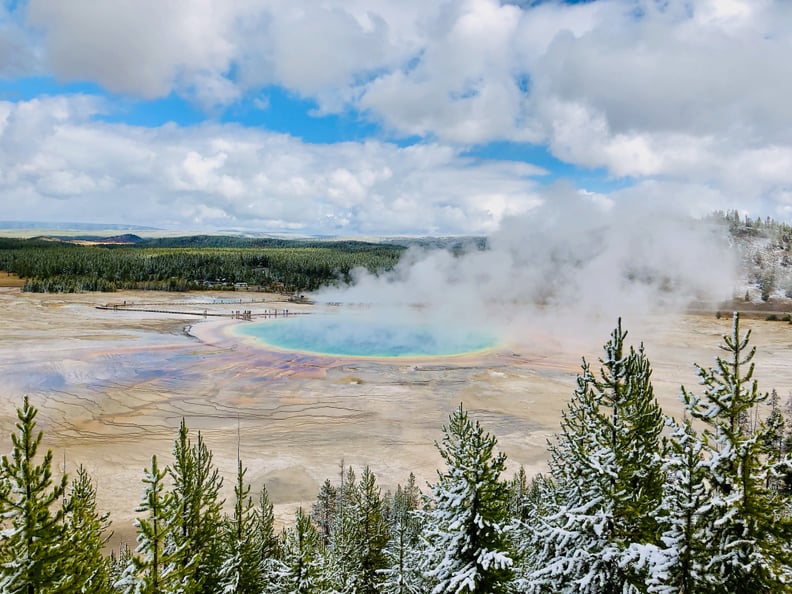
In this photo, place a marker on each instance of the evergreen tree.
(527, 507)
(241, 569)
(402, 574)
(85, 537)
(744, 521)
(608, 480)
(32, 550)
(324, 510)
(778, 444)
(678, 564)
(300, 569)
(341, 556)
(118, 568)
(267, 543)
(519, 492)
(152, 571)
(369, 536)
(195, 512)
(468, 546)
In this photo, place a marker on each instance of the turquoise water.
(354, 336)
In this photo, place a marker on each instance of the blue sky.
(373, 118)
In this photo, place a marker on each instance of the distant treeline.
(635, 502)
(764, 247)
(778, 232)
(187, 263)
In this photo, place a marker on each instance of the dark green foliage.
(370, 534)
(402, 574)
(469, 548)
(192, 264)
(358, 534)
(241, 569)
(151, 571)
(519, 493)
(746, 524)
(681, 567)
(324, 510)
(300, 571)
(766, 285)
(607, 479)
(86, 533)
(267, 541)
(118, 566)
(340, 549)
(775, 440)
(636, 425)
(32, 555)
(195, 515)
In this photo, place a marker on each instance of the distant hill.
(73, 226)
(232, 241)
(125, 239)
(454, 244)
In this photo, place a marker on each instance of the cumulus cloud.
(670, 79)
(691, 93)
(60, 160)
(145, 48)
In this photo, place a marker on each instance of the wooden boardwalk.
(204, 314)
(236, 314)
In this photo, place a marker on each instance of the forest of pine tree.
(195, 263)
(634, 501)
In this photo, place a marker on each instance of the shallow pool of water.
(366, 336)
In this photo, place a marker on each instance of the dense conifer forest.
(634, 501)
(182, 264)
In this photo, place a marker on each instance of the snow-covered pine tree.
(370, 535)
(467, 542)
(778, 445)
(402, 574)
(267, 544)
(152, 569)
(562, 544)
(195, 512)
(607, 476)
(340, 556)
(32, 552)
(119, 563)
(324, 510)
(300, 570)
(240, 572)
(519, 492)
(85, 535)
(527, 507)
(745, 523)
(677, 564)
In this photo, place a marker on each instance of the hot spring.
(349, 335)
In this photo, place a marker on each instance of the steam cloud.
(569, 267)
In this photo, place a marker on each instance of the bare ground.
(112, 387)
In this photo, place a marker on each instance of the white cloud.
(59, 161)
(686, 92)
(144, 48)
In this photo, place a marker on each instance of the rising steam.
(570, 265)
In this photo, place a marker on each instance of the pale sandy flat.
(112, 387)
